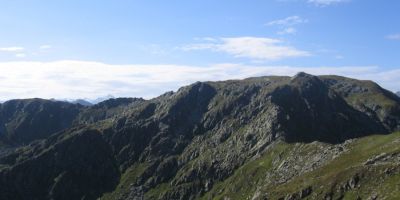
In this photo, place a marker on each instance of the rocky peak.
(306, 81)
(301, 75)
(310, 111)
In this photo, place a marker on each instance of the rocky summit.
(272, 137)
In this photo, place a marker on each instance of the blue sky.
(139, 43)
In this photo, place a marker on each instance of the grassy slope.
(130, 176)
(243, 183)
(351, 163)
(326, 179)
(251, 178)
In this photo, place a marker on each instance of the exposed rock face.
(187, 141)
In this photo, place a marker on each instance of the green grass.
(158, 191)
(344, 167)
(245, 179)
(369, 98)
(130, 176)
(251, 176)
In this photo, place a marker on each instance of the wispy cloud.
(80, 79)
(326, 2)
(20, 55)
(22, 52)
(393, 37)
(12, 49)
(286, 24)
(289, 30)
(288, 21)
(259, 48)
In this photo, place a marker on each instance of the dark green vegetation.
(22, 121)
(301, 137)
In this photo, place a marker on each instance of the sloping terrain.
(22, 121)
(267, 137)
(366, 168)
(76, 165)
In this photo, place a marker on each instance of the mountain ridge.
(182, 144)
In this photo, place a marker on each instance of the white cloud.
(12, 49)
(81, 79)
(258, 48)
(288, 21)
(326, 2)
(20, 55)
(45, 46)
(199, 46)
(393, 37)
(289, 30)
(286, 25)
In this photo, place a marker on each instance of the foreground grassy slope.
(365, 168)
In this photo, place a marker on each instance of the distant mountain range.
(273, 137)
(81, 102)
(87, 101)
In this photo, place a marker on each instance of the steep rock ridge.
(22, 121)
(183, 144)
(159, 127)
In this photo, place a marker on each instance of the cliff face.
(182, 145)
